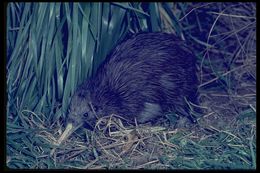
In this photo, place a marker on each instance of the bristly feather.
(144, 76)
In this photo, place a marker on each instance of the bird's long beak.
(67, 132)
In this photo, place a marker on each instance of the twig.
(231, 15)
(148, 163)
(193, 10)
(216, 78)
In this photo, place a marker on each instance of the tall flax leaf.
(21, 36)
(174, 21)
(128, 7)
(155, 19)
(71, 58)
(86, 64)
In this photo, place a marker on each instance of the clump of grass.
(53, 47)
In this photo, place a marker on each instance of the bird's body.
(144, 77)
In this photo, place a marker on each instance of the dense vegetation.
(53, 47)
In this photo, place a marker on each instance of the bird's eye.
(85, 114)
